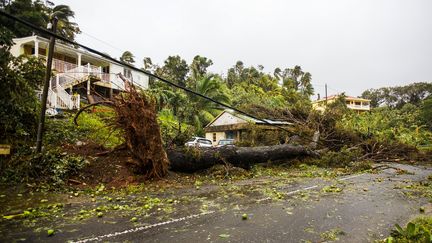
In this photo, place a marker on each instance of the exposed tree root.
(136, 117)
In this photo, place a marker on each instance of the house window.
(357, 103)
(127, 73)
(214, 137)
(229, 134)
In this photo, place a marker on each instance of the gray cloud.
(351, 45)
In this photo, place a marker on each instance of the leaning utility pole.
(326, 94)
(45, 88)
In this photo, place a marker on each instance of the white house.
(231, 125)
(77, 72)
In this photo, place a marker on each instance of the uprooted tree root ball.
(136, 116)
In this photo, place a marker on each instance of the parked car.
(199, 142)
(225, 142)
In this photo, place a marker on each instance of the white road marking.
(302, 189)
(99, 238)
(350, 177)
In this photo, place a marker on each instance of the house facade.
(353, 103)
(231, 125)
(77, 73)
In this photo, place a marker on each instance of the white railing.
(51, 99)
(364, 107)
(68, 75)
(76, 101)
(64, 97)
(62, 66)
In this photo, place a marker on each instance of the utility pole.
(326, 94)
(45, 88)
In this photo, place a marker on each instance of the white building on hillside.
(77, 73)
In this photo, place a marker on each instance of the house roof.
(27, 39)
(332, 97)
(248, 119)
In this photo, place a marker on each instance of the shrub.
(51, 166)
(343, 158)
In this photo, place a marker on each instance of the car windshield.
(191, 140)
(204, 141)
(225, 142)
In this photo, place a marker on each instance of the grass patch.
(417, 230)
(91, 126)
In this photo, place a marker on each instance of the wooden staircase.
(70, 76)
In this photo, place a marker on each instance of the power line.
(47, 32)
(102, 41)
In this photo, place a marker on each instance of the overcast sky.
(350, 45)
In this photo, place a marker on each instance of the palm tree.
(296, 72)
(65, 27)
(306, 86)
(148, 64)
(277, 73)
(127, 57)
(206, 110)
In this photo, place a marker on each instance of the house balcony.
(359, 107)
(74, 71)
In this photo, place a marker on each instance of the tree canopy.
(396, 97)
(40, 14)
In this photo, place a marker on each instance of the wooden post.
(45, 89)
(36, 48)
(88, 78)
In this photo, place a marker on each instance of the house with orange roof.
(353, 103)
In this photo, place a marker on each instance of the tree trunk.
(194, 159)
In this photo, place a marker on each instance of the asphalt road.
(365, 210)
(354, 208)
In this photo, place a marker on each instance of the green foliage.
(173, 132)
(99, 130)
(259, 136)
(91, 126)
(18, 102)
(389, 125)
(127, 57)
(244, 88)
(397, 97)
(426, 113)
(343, 158)
(52, 166)
(418, 230)
(39, 14)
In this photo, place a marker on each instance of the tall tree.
(40, 14)
(64, 14)
(127, 57)
(175, 69)
(398, 96)
(199, 67)
(205, 110)
(148, 64)
(20, 77)
(426, 112)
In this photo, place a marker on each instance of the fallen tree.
(194, 159)
(136, 117)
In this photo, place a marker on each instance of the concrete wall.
(139, 79)
(16, 50)
(219, 136)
